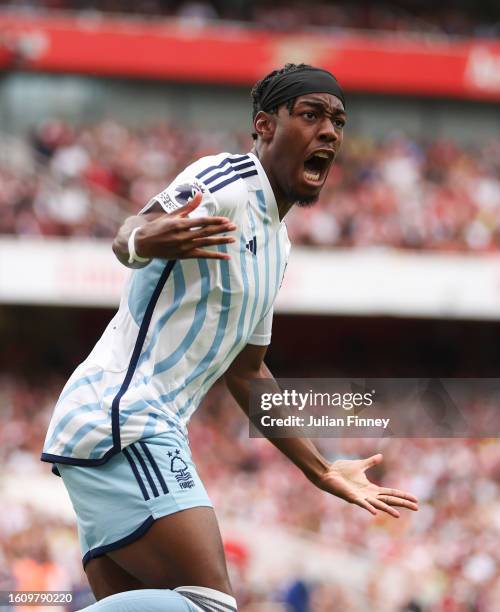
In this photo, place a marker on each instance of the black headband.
(291, 85)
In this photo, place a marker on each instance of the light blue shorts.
(117, 502)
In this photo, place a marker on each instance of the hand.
(173, 237)
(347, 479)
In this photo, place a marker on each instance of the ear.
(265, 125)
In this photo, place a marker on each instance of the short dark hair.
(260, 86)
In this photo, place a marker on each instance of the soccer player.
(209, 254)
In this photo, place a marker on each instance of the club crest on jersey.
(185, 192)
(180, 470)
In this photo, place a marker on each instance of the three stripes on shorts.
(145, 469)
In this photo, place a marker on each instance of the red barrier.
(6, 56)
(165, 49)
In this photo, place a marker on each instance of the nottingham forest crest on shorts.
(180, 470)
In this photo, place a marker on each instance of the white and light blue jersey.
(180, 323)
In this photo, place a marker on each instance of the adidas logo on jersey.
(251, 245)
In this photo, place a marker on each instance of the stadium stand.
(450, 18)
(444, 559)
(78, 177)
(70, 181)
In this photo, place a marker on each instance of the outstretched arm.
(173, 235)
(344, 478)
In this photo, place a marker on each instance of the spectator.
(449, 549)
(395, 192)
(398, 17)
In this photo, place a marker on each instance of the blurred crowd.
(445, 558)
(397, 16)
(397, 191)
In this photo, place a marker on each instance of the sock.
(145, 600)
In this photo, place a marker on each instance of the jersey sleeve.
(180, 191)
(262, 333)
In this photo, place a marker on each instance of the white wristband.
(133, 257)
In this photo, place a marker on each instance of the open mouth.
(316, 166)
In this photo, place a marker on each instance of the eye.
(340, 123)
(310, 115)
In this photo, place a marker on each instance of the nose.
(327, 132)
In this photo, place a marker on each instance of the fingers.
(372, 461)
(210, 230)
(381, 505)
(204, 242)
(203, 254)
(397, 493)
(181, 238)
(363, 503)
(193, 203)
(397, 501)
(200, 222)
(385, 503)
(190, 239)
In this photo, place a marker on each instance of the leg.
(184, 548)
(179, 550)
(107, 578)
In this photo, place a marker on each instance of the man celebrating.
(188, 316)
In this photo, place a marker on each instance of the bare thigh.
(180, 549)
(107, 578)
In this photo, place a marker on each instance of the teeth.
(312, 176)
(321, 154)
